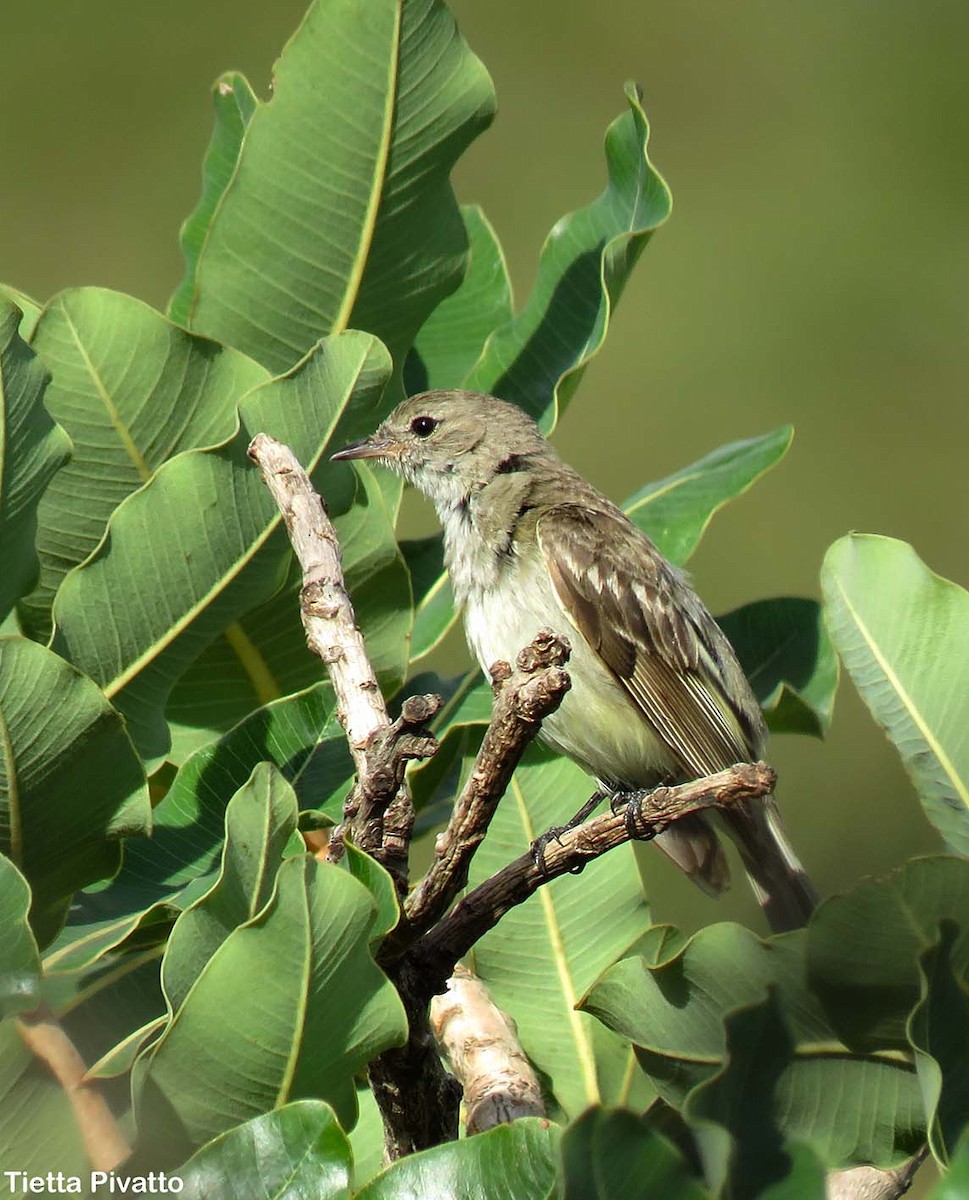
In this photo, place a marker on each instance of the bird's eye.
(423, 426)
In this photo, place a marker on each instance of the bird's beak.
(368, 447)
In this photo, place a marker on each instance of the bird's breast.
(597, 725)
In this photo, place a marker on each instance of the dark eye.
(423, 426)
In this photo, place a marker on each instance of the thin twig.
(479, 911)
(523, 698)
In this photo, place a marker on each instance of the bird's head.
(450, 443)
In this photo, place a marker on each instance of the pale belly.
(597, 724)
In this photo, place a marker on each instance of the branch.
(440, 948)
(870, 1183)
(378, 814)
(481, 1045)
(104, 1143)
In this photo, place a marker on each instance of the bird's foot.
(631, 805)
(555, 834)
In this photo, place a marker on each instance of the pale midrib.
(913, 710)
(580, 1037)
(119, 426)
(381, 159)
(112, 687)
(16, 852)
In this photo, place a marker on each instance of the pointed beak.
(368, 447)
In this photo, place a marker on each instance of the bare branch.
(870, 1183)
(380, 750)
(481, 1045)
(104, 1142)
(479, 911)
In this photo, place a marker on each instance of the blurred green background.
(814, 271)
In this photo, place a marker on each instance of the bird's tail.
(780, 883)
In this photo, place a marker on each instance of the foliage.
(219, 981)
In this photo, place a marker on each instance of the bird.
(658, 695)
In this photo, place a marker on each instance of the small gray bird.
(657, 693)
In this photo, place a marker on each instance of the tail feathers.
(779, 881)
(694, 847)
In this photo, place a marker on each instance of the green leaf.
(202, 543)
(546, 954)
(30, 310)
(299, 734)
(132, 391)
(232, 1052)
(954, 1185)
(674, 512)
(615, 1155)
(451, 340)
(903, 634)
(19, 959)
(70, 783)
(378, 883)
(864, 947)
(260, 824)
(516, 1161)
(744, 1100)
(234, 102)
(293, 1153)
(32, 448)
(434, 612)
(787, 655)
(939, 1031)
(537, 359)
(674, 1011)
(328, 223)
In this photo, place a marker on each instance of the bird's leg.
(555, 833)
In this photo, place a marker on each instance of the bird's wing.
(649, 627)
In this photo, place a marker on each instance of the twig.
(104, 1142)
(523, 698)
(482, 1048)
(479, 911)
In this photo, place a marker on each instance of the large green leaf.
(744, 1100)
(537, 358)
(674, 1007)
(232, 1052)
(260, 826)
(546, 954)
(70, 783)
(675, 511)
(939, 1031)
(516, 1161)
(132, 390)
(864, 947)
(292, 1153)
(615, 1155)
(32, 447)
(234, 102)
(299, 733)
(903, 634)
(787, 655)
(338, 211)
(19, 959)
(452, 338)
(264, 655)
(202, 544)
